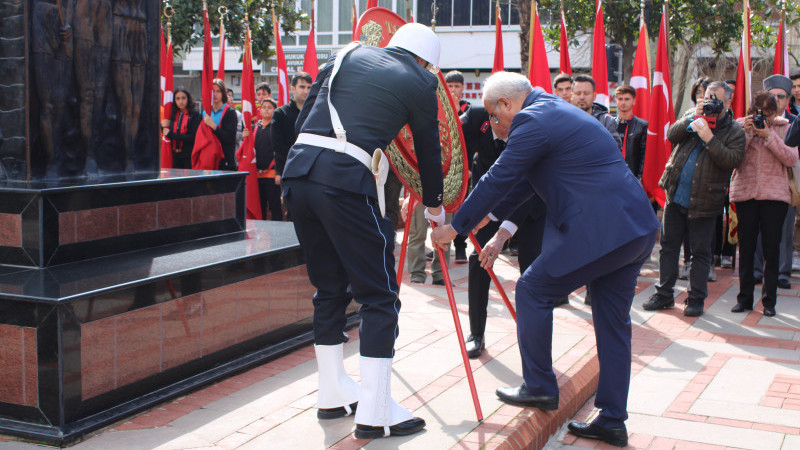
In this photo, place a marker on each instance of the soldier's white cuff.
(493, 217)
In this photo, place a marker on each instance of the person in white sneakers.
(359, 102)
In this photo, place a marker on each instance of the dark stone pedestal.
(48, 222)
(88, 342)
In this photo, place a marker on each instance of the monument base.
(87, 343)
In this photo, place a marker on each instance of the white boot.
(375, 404)
(336, 388)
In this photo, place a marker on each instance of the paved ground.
(721, 381)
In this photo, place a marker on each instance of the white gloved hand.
(438, 220)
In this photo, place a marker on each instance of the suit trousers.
(348, 249)
(767, 217)
(479, 283)
(612, 278)
(676, 224)
(529, 240)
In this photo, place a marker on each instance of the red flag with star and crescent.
(662, 115)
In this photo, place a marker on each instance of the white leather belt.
(378, 163)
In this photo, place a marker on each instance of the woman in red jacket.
(223, 121)
(760, 190)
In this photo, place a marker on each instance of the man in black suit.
(284, 119)
(527, 223)
(359, 102)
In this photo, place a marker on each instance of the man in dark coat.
(600, 229)
(284, 119)
(330, 190)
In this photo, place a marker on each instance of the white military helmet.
(419, 40)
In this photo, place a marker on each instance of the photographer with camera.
(708, 145)
(761, 195)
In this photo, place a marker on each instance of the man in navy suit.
(600, 229)
(358, 104)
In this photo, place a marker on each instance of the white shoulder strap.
(341, 134)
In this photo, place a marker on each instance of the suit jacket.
(479, 140)
(376, 92)
(566, 157)
(283, 133)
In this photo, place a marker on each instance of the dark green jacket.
(713, 168)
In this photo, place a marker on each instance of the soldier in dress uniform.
(359, 102)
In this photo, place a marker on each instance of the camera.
(759, 120)
(713, 106)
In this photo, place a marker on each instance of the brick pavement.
(719, 381)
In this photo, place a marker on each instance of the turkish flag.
(208, 68)
(741, 96)
(310, 64)
(166, 99)
(599, 61)
(283, 76)
(662, 115)
(781, 66)
(246, 154)
(538, 68)
(564, 65)
(498, 65)
(640, 76)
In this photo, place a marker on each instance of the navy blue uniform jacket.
(376, 92)
(565, 156)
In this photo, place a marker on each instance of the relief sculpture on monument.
(81, 107)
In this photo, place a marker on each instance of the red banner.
(741, 96)
(310, 64)
(662, 115)
(283, 76)
(564, 65)
(498, 65)
(538, 68)
(599, 61)
(640, 76)
(166, 100)
(246, 154)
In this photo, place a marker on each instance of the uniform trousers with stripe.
(348, 249)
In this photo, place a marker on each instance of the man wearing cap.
(359, 102)
(781, 87)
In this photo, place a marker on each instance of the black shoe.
(335, 413)
(461, 256)
(613, 436)
(562, 301)
(475, 346)
(429, 256)
(758, 280)
(440, 283)
(741, 308)
(769, 311)
(784, 284)
(694, 308)
(521, 397)
(410, 426)
(658, 301)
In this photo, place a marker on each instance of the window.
(465, 12)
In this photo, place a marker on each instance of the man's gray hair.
(506, 84)
(721, 85)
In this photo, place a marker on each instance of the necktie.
(499, 144)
